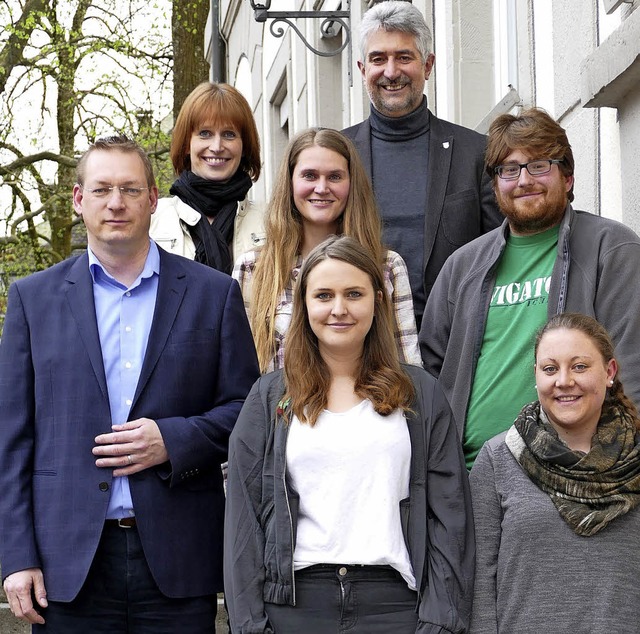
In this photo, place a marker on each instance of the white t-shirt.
(351, 470)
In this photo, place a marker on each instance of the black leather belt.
(125, 522)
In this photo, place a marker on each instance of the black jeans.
(120, 596)
(337, 599)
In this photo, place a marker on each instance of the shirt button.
(127, 329)
(128, 401)
(128, 293)
(103, 486)
(128, 365)
(342, 571)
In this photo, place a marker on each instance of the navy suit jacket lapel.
(172, 285)
(79, 292)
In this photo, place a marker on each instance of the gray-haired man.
(427, 174)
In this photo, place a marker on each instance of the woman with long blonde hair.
(321, 189)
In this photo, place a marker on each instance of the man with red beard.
(493, 294)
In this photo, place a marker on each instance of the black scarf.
(589, 490)
(213, 200)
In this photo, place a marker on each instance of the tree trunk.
(60, 214)
(190, 68)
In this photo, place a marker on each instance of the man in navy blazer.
(427, 174)
(122, 372)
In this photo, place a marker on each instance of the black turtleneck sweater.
(400, 154)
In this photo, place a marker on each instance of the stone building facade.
(579, 59)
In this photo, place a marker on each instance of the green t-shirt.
(504, 379)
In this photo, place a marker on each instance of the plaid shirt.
(396, 281)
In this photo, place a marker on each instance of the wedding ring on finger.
(129, 459)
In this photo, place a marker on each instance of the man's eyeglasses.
(127, 192)
(511, 171)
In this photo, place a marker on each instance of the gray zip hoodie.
(597, 273)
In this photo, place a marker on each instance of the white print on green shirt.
(521, 292)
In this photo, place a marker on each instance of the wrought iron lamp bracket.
(327, 28)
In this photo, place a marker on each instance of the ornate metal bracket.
(328, 27)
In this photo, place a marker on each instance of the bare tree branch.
(23, 161)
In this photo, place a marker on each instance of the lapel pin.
(445, 145)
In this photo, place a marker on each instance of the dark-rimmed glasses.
(511, 171)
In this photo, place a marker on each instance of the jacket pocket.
(168, 243)
(461, 217)
(196, 336)
(205, 481)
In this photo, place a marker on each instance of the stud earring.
(611, 382)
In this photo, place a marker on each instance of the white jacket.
(171, 221)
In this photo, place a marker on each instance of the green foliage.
(71, 72)
(156, 143)
(18, 259)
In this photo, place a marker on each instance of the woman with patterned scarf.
(555, 498)
(215, 151)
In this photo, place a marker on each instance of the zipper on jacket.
(286, 497)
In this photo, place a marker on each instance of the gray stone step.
(9, 624)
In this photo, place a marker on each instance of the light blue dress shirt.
(124, 317)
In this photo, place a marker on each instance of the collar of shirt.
(100, 275)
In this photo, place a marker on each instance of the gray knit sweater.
(533, 573)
